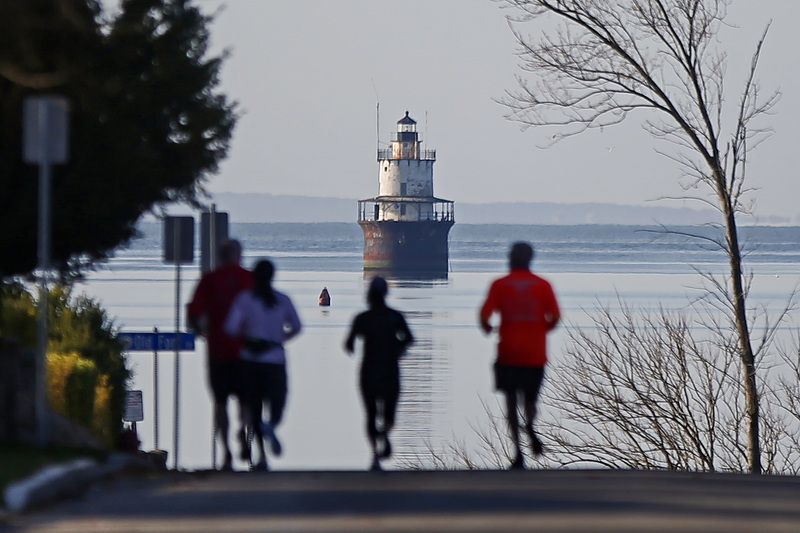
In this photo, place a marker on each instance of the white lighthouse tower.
(406, 226)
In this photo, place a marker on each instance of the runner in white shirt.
(264, 319)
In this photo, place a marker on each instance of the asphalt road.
(486, 501)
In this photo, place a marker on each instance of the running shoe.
(261, 466)
(386, 449)
(536, 445)
(268, 432)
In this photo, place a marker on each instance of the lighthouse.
(406, 227)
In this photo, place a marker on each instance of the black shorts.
(379, 381)
(525, 379)
(225, 379)
(264, 381)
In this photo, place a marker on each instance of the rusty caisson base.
(411, 249)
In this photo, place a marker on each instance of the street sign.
(134, 406)
(213, 231)
(45, 129)
(178, 240)
(156, 342)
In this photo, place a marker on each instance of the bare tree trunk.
(745, 346)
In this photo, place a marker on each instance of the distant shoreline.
(267, 208)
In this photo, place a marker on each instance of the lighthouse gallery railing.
(424, 155)
(442, 210)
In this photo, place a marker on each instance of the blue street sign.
(155, 342)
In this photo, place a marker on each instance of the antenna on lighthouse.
(377, 115)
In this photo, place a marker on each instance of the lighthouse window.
(403, 189)
(402, 209)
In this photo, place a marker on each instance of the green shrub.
(80, 393)
(86, 368)
(59, 368)
(103, 421)
(18, 314)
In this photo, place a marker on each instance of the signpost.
(178, 249)
(213, 231)
(45, 143)
(145, 341)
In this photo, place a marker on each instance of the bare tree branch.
(605, 61)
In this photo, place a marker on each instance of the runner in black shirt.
(386, 336)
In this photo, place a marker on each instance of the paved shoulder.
(568, 500)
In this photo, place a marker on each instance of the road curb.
(55, 482)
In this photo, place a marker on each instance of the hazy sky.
(309, 73)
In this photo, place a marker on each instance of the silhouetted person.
(264, 318)
(528, 311)
(206, 315)
(386, 336)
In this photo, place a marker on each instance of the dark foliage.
(146, 125)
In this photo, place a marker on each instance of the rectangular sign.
(213, 232)
(45, 129)
(134, 406)
(178, 240)
(156, 342)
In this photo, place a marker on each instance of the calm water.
(446, 374)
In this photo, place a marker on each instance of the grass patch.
(19, 461)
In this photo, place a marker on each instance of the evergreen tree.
(147, 126)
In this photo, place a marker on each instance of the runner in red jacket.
(528, 310)
(207, 312)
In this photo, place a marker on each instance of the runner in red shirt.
(528, 310)
(207, 312)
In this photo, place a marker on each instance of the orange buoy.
(324, 297)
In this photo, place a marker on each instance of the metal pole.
(177, 339)
(212, 265)
(212, 239)
(155, 390)
(44, 273)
